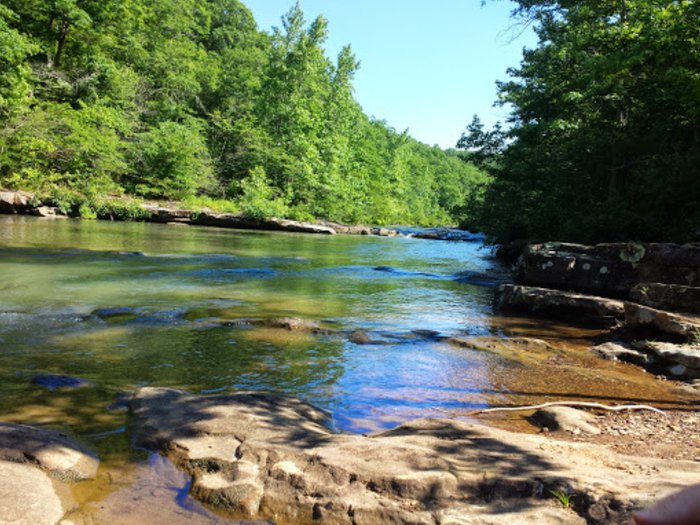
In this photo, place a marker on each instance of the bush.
(171, 161)
(259, 199)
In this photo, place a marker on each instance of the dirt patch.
(675, 434)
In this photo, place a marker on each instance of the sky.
(426, 65)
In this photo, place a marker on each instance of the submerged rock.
(50, 450)
(57, 381)
(560, 304)
(293, 324)
(265, 455)
(119, 312)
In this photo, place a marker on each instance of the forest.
(603, 140)
(188, 100)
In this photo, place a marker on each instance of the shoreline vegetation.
(145, 100)
(204, 213)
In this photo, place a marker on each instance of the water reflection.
(120, 305)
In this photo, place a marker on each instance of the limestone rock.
(503, 345)
(48, 449)
(608, 269)
(674, 297)
(293, 324)
(591, 269)
(384, 232)
(644, 318)
(49, 212)
(270, 456)
(682, 361)
(27, 496)
(162, 214)
(15, 202)
(624, 352)
(566, 418)
(229, 220)
(557, 303)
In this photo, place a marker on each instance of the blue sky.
(426, 65)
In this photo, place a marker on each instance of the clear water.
(75, 301)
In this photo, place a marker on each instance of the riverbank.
(646, 295)
(273, 458)
(26, 203)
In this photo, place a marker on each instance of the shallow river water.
(92, 310)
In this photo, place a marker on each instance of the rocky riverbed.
(272, 458)
(646, 294)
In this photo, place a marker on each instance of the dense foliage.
(605, 138)
(187, 99)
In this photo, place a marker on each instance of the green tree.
(171, 161)
(606, 117)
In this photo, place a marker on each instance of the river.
(91, 310)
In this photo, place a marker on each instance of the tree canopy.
(604, 141)
(182, 99)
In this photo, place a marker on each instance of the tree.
(483, 147)
(606, 116)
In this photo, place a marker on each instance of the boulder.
(274, 457)
(567, 419)
(659, 322)
(384, 232)
(15, 202)
(27, 496)
(681, 361)
(48, 449)
(661, 296)
(511, 251)
(560, 304)
(48, 212)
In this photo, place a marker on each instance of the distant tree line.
(604, 136)
(189, 100)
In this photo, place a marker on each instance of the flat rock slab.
(557, 303)
(269, 456)
(15, 201)
(27, 496)
(48, 449)
(673, 297)
(681, 361)
(229, 220)
(639, 317)
(608, 269)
